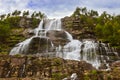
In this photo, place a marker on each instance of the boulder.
(115, 64)
(28, 32)
(57, 37)
(85, 66)
(103, 66)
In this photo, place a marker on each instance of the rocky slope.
(38, 68)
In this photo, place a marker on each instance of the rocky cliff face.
(73, 25)
(39, 45)
(57, 37)
(77, 28)
(38, 68)
(28, 22)
(55, 68)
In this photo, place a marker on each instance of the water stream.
(86, 49)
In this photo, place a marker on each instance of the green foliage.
(58, 76)
(16, 13)
(108, 29)
(76, 12)
(94, 72)
(98, 30)
(4, 31)
(13, 21)
(11, 29)
(25, 13)
(18, 55)
(86, 77)
(2, 16)
(57, 62)
(35, 22)
(3, 53)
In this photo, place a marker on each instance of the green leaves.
(108, 29)
(4, 31)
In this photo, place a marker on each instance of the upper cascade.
(44, 26)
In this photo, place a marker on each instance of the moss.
(18, 55)
(57, 62)
(86, 77)
(4, 53)
(58, 76)
(94, 72)
(109, 77)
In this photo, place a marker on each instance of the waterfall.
(21, 47)
(89, 52)
(72, 50)
(40, 31)
(69, 36)
(87, 49)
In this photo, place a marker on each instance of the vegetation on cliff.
(103, 27)
(82, 23)
(13, 26)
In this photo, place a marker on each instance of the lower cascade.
(51, 40)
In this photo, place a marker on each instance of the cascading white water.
(86, 49)
(40, 31)
(81, 50)
(21, 47)
(69, 36)
(89, 52)
(72, 50)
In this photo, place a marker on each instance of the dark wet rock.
(103, 66)
(39, 45)
(85, 65)
(57, 37)
(115, 64)
(54, 34)
(118, 50)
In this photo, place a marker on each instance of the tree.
(99, 30)
(93, 13)
(16, 13)
(25, 13)
(2, 16)
(84, 11)
(33, 15)
(8, 15)
(108, 30)
(76, 12)
(42, 15)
